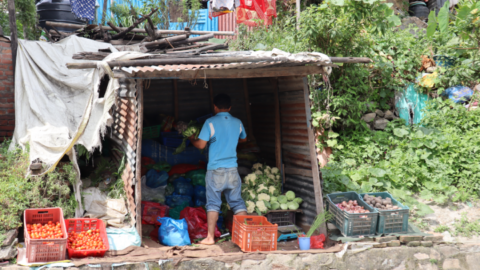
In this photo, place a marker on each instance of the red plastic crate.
(82, 225)
(44, 250)
(254, 233)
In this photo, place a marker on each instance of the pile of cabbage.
(262, 188)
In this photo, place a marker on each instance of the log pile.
(149, 39)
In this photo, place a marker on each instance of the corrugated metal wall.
(227, 22)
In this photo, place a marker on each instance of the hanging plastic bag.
(184, 168)
(183, 186)
(152, 211)
(156, 179)
(175, 212)
(152, 194)
(173, 232)
(176, 200)
(119, 239)
(196, 219)
(200, 196)
(316, 241)
(197, 177)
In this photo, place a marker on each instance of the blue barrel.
(57, 11)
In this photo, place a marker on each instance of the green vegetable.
(273, 199)
(298, 200)
(292, 205)
(284, 206)
(267, 204)
(193, 129)
(275, 205)
(282, 199)
(290, 195)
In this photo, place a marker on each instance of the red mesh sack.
(184, 168)
(197, 222)
(145, 162)
(317, 241)
(151, 211)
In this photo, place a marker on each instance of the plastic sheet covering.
(57, 107)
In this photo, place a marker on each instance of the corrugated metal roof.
(242, 65)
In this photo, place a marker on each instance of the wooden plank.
(247, 108)
(313, 155)
(13, 32)
(175, 98)
(278, 134)
(138, 165)
(230, 73)
(210, 88)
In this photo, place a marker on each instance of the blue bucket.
(304, 243)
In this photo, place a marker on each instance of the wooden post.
(138, 171)
(104, 13)
(247, 108)
(278, 135)
(175, 99)
(210, 87)
(313, 156)
(13, 34)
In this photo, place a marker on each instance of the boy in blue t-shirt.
(223, 132)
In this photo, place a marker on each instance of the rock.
(9, 237)
(369, 117)
(447, 237)
(389, 115)
(413, 244)
(410, 238)
(428, 266)
(9, 252)
(426, 243)
(36, 166)
(436, 237)
(451, 264)
(396, 113)
(381, 124)
(431, 69)
(380, 245)
(421, 256)
(473, 261)
(385, 239)
(379, 113)
(394, 243)
(431, 219)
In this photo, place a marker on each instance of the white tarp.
(57, 107)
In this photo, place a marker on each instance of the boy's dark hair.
(222, 101)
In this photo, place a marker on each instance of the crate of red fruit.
(392, 215)
(87, 237)
(254, 233)
(45, 235)
(352, 216)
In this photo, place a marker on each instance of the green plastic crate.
(391, 221)
(152, 132)
(352, 224)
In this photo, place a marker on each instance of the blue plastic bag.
(119, 239)
(183, 186)
(176, 200)
(200, 196)
(459, 94)
(173, 232)
(156, 179)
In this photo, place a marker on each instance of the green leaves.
(432, 24)
(400, 132)
(443, 18)
(338, 2)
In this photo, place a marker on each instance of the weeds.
(442, 228)
(464, 227)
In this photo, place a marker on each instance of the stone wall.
(378, 120)
(7, 103)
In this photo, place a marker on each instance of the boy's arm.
(203, 137)
(198, 143)
(243, 134)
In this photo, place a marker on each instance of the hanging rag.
(84, 9)
(252, 12)
(221, 7)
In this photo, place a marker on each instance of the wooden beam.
(104, 12)
(13, 33)
(164, 41)
(313, 156)
(138, 164)
(351, 60)
(229, 73)
(247, 109)
(210, 87)
(175, 99)
(278, 135)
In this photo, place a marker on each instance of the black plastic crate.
(281, 217)
(352, 224)
(391, 221)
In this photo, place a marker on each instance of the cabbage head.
(298, 200)
(290, 195)
(273, 199)
(282, 199)
(292, 205)
(284, 206)
(275, 205)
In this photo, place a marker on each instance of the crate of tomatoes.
(87, 237)
(45, 235)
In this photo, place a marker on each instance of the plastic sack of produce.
(146, 164)
(197, 176)
(152, 211)
(200, 196)
(121, 238)
(316, 241)
(172, 177)
(176, 200)
(173, 232)
(196, 219)
(459, 94)
(185, 168)
(175, 212)
(161, 166)
(169, 189)
(152, 194)
(156, 179)
(183, 186)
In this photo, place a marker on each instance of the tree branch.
(139, 21)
